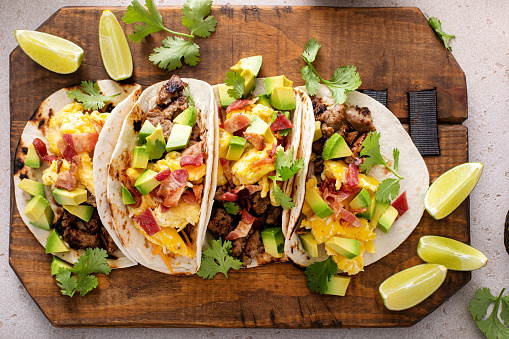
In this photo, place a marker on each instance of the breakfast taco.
(160, 175)
(61, 147)
(258, 143)
(343, 205)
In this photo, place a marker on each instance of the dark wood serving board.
(394, 49)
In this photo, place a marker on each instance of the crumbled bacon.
(262, 162)
(281, 122)
(148, 222)
(172, 187)
(352, 176)
(126, 181)
(401, 204)
(273, 150)
(66, 180)
(228, 196)
(197, 190)
(350, 218)
(225, 164)
(236, 122)
(74, 164)
(250, 188)
(42, 151)
(81, 142)
(239, 104)
(256, 140)
(69, 153)
(163, 174)
(192, 160)
(243, 228)
(188, 197)
(193, 150)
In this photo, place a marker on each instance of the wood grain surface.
(393, 48)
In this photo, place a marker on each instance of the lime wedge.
(451, 253)
(115, 51)
(450, 189)
(407, 288)
(49, 51)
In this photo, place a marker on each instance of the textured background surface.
(481, 49)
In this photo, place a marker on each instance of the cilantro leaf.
(285, 132)
(388, 189)
(285, 166)
(217, 259)
(437, 27)
(504, 314)
(151, 19)
(231, 207)
(237, 84)
(281, 198)
(90, 95)
(173, 50)
(66, 283)
(194, 12)
(492, 327)
(311, 79)
(319, 274)
(311, 50)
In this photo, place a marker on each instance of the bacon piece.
(236, 122)
(401, 204)
(126, 181)
(281, 122)
(262, 162)
(172, 200)
(243, 228)
(66, 181)
(273, 150)
(228, 196)
(155, 197)
(193, 150)
(188, 197)
(148, 222)
(42, 151)
(60, 162)
(350, 218)
(163, 174)
(239, 104)
(69, 153)
(81, 142)
(164, 209)
(256, 139)
(225, 164)
(197, 190)
(250, 188)
(358, 210)
(172, 187)
(352, 177)
(97, 126)
(75, 163)
(192, 160)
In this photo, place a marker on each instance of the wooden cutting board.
(394, 49)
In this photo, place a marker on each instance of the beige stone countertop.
(481, 48)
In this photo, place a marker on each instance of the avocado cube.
(146, 130)
(179, 137)
(336, 147)
(344, 246)
(156, 143)
(258, 126)
(380, 208)
(36, 207)
(319, 206)
(274, 241)
(387, 219)
(74, 197)
(146, 182)
(309, 243)
(253, 63)
(140, 157)
(282, 98)
(84, 212)
(337, 285)
(370, 210)
(318, 131)
(45, 221)
(187, 117)
(31, 187)
(249, 82)
(127, 197)
(55, 243)
(236, 148)
(361, 200)
(32, 159)
(264, 100)
(57, 264)
(224, 98)
(272, 82)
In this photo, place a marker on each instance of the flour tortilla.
(411, 167)
(37, 127)
(132, 239)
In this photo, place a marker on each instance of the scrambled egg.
(83, 175)
(264, 112)
(172, 161)
(245, 173)
(178, 217)
(335, 169)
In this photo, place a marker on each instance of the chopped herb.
(90, 95)
(319, 274)
(286, 167)
(217, 259)
(237, 84)
(492, 327)
(281, 198)
(231, 207)
(437, 27)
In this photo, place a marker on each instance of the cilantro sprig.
(91, 262)
(90, 95)
(286, 168)
(236, 83)
(389, 188)
(231, 208)
(281, 198)
(196, 17)
(217, 259)
(319, 274)
(345, 79)
(492, 327)
(437, 27)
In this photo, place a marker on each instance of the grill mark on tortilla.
(137, 125)
(24, 149)
(19, 163)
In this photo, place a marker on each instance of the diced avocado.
(179, 137)
(236, 148)
(55, 243)
(253, 63)
(337, 285)
(309, 243)
(32, 159)
(224, 98)
(387, 219)
(249, 81)
(140, 157)
(361, 200)
(156, 143)
(335, 147)
(344, 246)
(272, 82)
(318, 131)
(58, 263)
(283, 98)
(274, 241)
(258, 126)
(188, 117)
(45, 221)
(370, 210)
(74, 197)
(31, 187)
(320, 207)
(84, 212)
(380, 208)
(35, 207)
(146, 182)
(264, 100)
(146, 130)
(127, 197)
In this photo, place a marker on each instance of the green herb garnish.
(217, 259)
(319, 274)
(281, 198)
(492, 327)
(236, 83)
(90, 95)
(437, 27)
(286, 167)
(231, 208)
